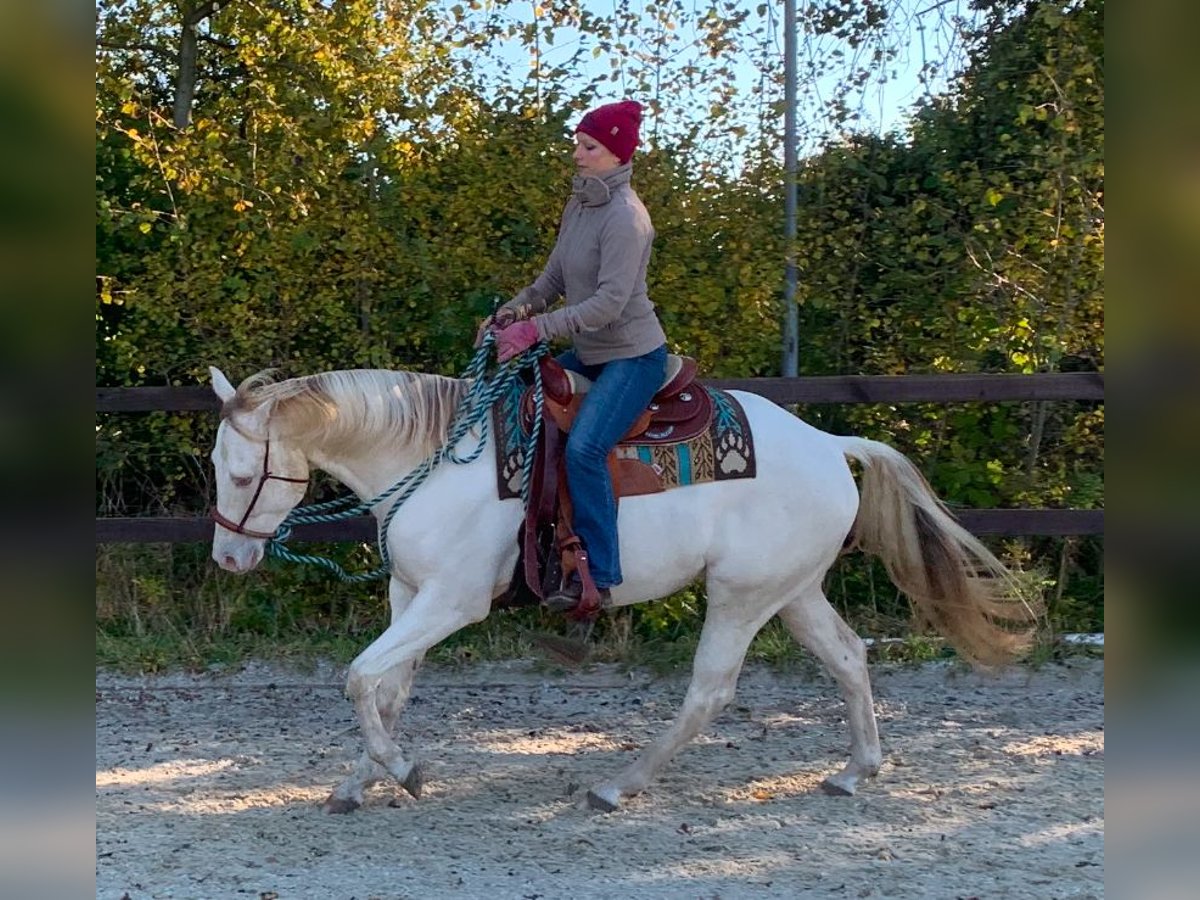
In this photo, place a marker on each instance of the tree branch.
(225, 45)
(938, 5)
(134, 45)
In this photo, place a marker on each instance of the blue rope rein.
(472, 412)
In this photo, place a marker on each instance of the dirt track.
(991, 787)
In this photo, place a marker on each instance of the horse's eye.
(243, 482)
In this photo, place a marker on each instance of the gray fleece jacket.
(599, 264)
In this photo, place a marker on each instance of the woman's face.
(592, 157)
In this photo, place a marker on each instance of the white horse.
(764, 545)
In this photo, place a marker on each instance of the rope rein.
(472, 412)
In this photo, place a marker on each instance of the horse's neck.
(366, 474)
(373, 469)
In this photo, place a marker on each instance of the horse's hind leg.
(724, 640)
(817, 626)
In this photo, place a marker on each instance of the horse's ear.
(221, 385)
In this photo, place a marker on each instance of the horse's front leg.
(391, 696)
(435, 613)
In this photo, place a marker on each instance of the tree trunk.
(185, 79)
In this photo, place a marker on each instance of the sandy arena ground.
(992, 787)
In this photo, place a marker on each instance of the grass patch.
(151, 653)
(166, 607)
(507, 636)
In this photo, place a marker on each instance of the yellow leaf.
(144, 228)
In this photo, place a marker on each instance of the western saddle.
(550, 551)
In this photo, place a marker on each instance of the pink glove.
(515, 340)
(501, 318)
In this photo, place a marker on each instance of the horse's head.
(260, 478)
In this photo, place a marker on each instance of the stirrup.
(568, 597)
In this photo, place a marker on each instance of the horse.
(763, 544)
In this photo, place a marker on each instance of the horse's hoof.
(602, 804)
(838, 786)
(339, 806)
(414, 783)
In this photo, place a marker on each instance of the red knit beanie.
(615, 125)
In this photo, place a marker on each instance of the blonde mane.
(345, 409)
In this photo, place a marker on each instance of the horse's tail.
(957, 585)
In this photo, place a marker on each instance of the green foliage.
(347, 189)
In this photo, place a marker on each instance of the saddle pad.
(723, 451)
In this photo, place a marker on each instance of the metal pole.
(791, 328)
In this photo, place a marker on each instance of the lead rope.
(472, 412)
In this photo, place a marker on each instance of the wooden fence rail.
(809, 389)
(825, 389)
(182, 530)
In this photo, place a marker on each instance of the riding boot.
(567, 597)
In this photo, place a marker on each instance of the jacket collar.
(596, 190)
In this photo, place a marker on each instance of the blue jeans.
(620, 390)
